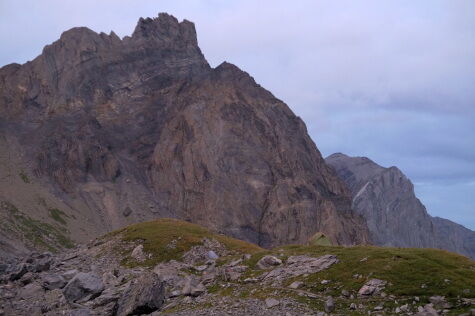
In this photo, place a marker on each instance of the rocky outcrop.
(144, 296)
(104, 279)
(83, 286)
(395, 216)
(124, 130)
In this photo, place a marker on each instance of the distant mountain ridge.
(395, 216)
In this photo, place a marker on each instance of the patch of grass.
(406, 270)
(157, 235)
(24, 177)
(227, 291)
(214, 288)
(42, 234)
(35, 232)
(57, 215)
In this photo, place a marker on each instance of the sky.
(390, 80)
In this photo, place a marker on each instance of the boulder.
(53, 281)
(311, 264)
(198, 290)
(83, 287)
(271, 302)
(212, 255)
(233, 273)
(329, 305)
(439, 302)
(372, 287)
(210, 250)
(138, 253)
(18, 272)
(109, 279)
(268, 262)
(108, 296)
(144, 295)
(428, 310)
(170, 272)
(43, 263)
(404, 308)
(30, 291)
(175, 293)
(68, 275)
(27, 278)
(296, 284)
(301, 265)
(188, 285)
(235, 262)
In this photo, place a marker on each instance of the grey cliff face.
(385, 198)
(124, 130)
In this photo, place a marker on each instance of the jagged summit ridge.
(166, 27)
(160, 30)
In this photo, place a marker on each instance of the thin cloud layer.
(389, 80)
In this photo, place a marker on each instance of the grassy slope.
(156, 235)
(405, 269)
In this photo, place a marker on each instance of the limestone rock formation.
(124, 130)
(395, 216)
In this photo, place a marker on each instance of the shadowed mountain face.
(124, 130)
(395, 216)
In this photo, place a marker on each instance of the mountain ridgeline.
(395, 216)
(107, 131)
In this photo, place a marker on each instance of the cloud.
(389, 80)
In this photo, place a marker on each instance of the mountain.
(101, 132)
(395, 216)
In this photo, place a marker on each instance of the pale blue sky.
(390, 80)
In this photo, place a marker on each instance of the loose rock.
(30, 290)
(271, 302)
(372, 287)
(53, 281)
(83, 286)
(20, 270)
(144, 295)
(138, 253)
(296, 285)
(329, 305)
(268, 261)
(301, 265)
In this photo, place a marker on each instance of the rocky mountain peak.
(385, 197)
(76, 33)
(142, 127)
(165, 28)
